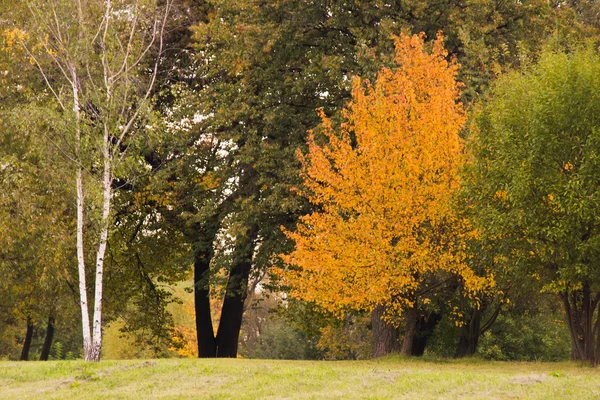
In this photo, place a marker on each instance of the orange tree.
(385, 233)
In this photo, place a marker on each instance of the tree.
(93, 57)
(535, 156)
(258, 93)
(383, 186)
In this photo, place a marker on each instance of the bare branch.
(57, 62)
(129, 124)
(105, 63)
(58, 35)
(129, 43)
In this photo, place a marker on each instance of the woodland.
(300, 179)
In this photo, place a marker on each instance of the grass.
(251, 379)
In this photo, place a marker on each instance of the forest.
(300, 179)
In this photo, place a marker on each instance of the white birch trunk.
(106, 200)
(85, 317)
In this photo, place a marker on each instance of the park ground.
(273, 379)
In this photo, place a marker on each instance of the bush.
(527, 337)
(279, 340)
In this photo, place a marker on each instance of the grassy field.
(250, 379)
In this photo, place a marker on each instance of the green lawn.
(250, 379)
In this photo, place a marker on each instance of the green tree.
(535, 159)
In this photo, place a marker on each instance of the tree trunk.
(83, 302)
(27, 342)
(469, 336)
(575, 355)
(203, 237)
(207, 346)
(235, 295)
(410, 317)
(96, 350)
(48, 339)
(425, 325)
(587, 322)
(572, 323)
(386, 337)
(580, 321)
(597, 338)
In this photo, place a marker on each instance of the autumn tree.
(535, 157)
(383, 185)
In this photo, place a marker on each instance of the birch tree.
(99, 60)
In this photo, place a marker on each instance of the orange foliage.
(383, 185)
(184, 334)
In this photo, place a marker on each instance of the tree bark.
(588, 312)
(27, 342)
(580, 321)
(577, 352)
(207, 346)
(48, 339)
(589, 308)
(203, 237)
(235, 295)
(469, 336)
(96, 350)
(410, 318)
(386, 337)
(426, 323)
(83, 301)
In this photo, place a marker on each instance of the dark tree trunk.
(423, 331)
(575, 355)
(225, 342)
(410, 317)
(588, 324)
(472, 330)
(386, 338)
(469, 336)
(27, 342)
(204, 328)
(574, 317)
(204, 236)
(235, 295)
(48, 339)
(580, 309)
(597, 338)
(572, 323)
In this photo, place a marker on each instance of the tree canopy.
(535, 155)
(383, 186)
